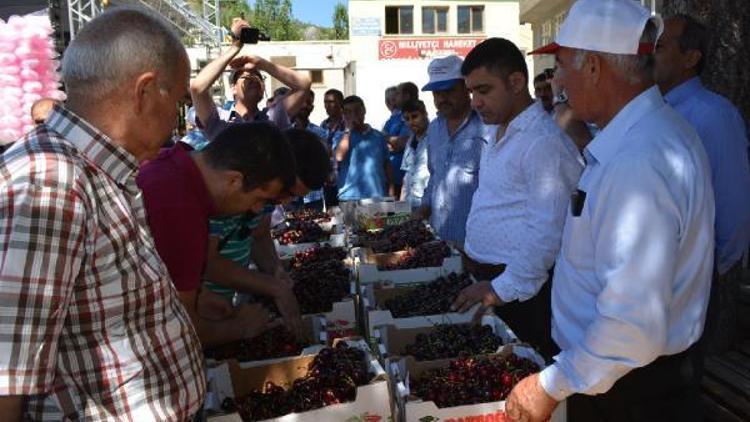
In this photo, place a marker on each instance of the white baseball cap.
(606, 26)
(444, 73)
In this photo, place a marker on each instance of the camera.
(252, 35)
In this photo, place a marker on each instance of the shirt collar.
(683, 91)
(611, 139)
(114, 160)
(473, 115)
(525, 119)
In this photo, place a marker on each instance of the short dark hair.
(258, 150)
(281, 91)
(410, 88)
(312, 155)
(353, 99)
(497, 55)
(336, 93)
(695, 36)
(412, 106)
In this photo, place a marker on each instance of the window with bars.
(399, 19)
(470, 19)
(434, 20)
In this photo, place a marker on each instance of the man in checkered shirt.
(91, 327)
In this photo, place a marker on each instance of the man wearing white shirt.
(527, 173)
(414, 164)
(632, 278)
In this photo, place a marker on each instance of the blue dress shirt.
(453, 162)
(723, 133)
(395, 126)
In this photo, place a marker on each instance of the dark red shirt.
(178, 207)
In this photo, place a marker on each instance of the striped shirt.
(235, 236)
(453, 162)
(91, 326)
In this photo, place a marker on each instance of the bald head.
(41, 109)
(116, 47)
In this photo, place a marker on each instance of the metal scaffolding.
(204, 28)
(81, 12)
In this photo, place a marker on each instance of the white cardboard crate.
(288, 251)
(366, 266)
(392, 340)
(228, 380)
(411, 409)
(375, 295)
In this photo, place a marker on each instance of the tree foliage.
(340, 22)
(274, 17)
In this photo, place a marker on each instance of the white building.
(391, 41)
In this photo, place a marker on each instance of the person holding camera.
(248, 87)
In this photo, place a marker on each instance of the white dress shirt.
(633, 275)
(517, 213)
(417, 174)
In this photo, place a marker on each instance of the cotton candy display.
(28, 72)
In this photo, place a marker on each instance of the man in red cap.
(632, 278)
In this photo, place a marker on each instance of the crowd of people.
(598, 216)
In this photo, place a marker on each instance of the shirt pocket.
(577, 246)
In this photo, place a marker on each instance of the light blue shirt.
(453, 162)
(361, 174)
(723, 132)
(634, 271)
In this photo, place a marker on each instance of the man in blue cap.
(454, 141)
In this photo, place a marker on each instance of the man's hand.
(529, 402)
(254, 319)
(283, 277)
(237, 25)
(289, 309)
(481, 292)
(213, 307)
(249, 61)
(421, 213)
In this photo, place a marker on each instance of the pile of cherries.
(450, 341)
(409, 234)
(274, 343)
(300, 231)
(470, 380)
(429, 299)
(332, 377)
(308, 214)
(429, 254)
(318, 254)
(317, 285)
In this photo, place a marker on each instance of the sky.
(318, 12)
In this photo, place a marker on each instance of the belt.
(481, 271)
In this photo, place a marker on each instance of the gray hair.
(633, 67)
(118, 45)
